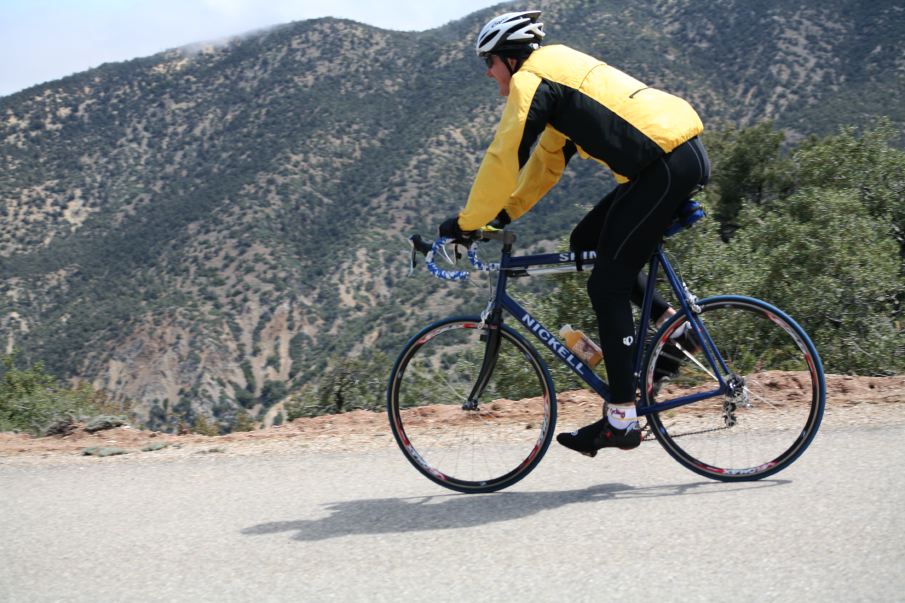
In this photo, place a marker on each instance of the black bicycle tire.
(815, 416)
(396, 423)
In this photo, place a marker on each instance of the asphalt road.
(312, 526)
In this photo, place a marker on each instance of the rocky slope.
(207, 229)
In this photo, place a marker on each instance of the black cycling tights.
(624, 229)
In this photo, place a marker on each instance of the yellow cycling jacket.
(567, 102)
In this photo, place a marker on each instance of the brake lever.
(446, 255)
(418, 246)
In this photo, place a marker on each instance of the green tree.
(205, 427)
(273, 392)
(302, 403)
(747, 167)
(818, 232)
(869, 166)
(243, 421)
(31, 398)
(348, 383)
(823, 258)
(828, 250)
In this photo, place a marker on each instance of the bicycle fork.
(491, 325)
(492, 336)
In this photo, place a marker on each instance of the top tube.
(566, 261)
(689, 213)
(552, 259)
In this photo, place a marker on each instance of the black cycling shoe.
(591, 438)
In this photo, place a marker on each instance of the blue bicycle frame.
(515, 265)
(748, 330)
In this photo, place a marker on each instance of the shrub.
(822, 257)
(31, 399)
(204, 427)
(818, 232)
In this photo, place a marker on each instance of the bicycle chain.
(649, 435)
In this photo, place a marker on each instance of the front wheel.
(462, 442)
(763, 411)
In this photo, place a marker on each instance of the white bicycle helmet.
(512, 33)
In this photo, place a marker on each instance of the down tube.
(554, 345)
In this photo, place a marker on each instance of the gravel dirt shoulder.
(850, 401)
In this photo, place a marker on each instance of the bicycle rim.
(772, 409)
(483, 449)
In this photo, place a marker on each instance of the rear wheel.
(772, 403)
(470, 445)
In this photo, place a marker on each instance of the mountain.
(215, 226)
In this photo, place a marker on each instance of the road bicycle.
(473, 407)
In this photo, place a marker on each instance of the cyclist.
(562, 102)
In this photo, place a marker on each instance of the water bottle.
(581, 345)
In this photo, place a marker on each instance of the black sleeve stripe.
(542, 106)
(568, 151)
(604, 134)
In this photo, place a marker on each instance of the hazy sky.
(43, 40)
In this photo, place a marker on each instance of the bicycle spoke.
(477, 450)
(694, 360)
(774, 398)
(760, 398)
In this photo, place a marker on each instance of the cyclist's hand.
(501, 221)
(450, 229)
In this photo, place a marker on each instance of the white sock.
(680, 331)
(621, 416)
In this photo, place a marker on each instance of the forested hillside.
(207, 230)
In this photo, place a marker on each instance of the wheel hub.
(736, 396)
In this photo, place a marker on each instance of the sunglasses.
(488, 60)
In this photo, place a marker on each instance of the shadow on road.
(398, 515)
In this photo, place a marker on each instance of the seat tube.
(689, 306)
